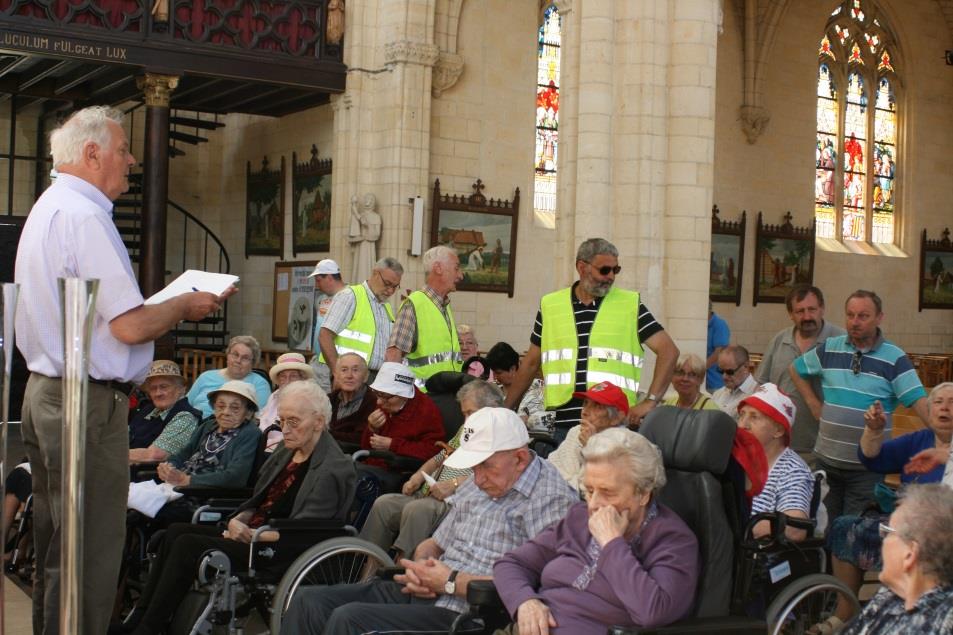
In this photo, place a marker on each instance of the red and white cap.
(769, 400)
(486, 431)
(608, 394)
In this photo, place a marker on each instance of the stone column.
(155, 180)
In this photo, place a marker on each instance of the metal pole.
(78, 298)
(8, 310)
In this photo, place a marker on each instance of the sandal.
(830, 626)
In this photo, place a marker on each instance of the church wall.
(776, 174)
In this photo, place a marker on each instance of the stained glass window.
(547, 113)
(856, 127)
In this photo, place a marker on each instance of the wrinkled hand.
(376, 419)
(608, 524)
(442, 489)
(874, 417)
(586, 430)
(199, 304)
(413, 484)
(533, 618)
(926, 461)
(238, 531)
(171, 475)
(636, 414)
(423, 578)
(380, 443)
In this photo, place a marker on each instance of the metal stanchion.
(8, 310)
(79, 300)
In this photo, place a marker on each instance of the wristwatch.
(655, 398)
(450, 587)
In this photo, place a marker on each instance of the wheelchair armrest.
(307, 524)
(483, 593)
(205, 493)
(349, 448)
(397, 462)
(736, 625)
(779, 521)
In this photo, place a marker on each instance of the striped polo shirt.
(852, 380)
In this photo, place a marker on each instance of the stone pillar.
(155, 180)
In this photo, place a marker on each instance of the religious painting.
(727, 258)
(784, 257)
(936, 272)
(310, 203)
(482, 232)
(265, 210)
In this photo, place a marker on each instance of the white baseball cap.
(325, 267)
(769, 399)
(395, 379)
(488, 430)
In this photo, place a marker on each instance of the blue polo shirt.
(718, 335)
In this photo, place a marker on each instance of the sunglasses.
(606, 270)
(855, 362)
(730, 371)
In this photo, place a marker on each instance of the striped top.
(790, 486)
(884, 372)
(585, 315)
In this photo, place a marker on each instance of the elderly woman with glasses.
(618, 558)
(854, 540)
(290, 367)
(307, 478)
(687, 382)
(917, 573)
(241, 355)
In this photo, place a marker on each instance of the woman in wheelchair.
(308, 478)
(768, 415)
(619, 558)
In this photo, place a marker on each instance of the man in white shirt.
(739, 383)
(70, 234)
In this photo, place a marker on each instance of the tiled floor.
(16, 610)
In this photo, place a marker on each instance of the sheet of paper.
(194, 280)
(282, 284)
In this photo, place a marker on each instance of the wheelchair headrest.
(691, 440)
(447, 381)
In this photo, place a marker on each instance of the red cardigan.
(413, 431)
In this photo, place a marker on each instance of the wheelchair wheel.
(807, 601)
(335, 561)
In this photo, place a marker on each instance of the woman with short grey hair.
(241, 356)
(687, 382)
(640, 560)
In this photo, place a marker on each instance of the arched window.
(856, 157)
(547, 116)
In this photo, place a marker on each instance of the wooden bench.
(196, 361)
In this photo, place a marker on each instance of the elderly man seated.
(410, 516)
(512, 496)
(159, 432)
(739, 382)
(605, 406)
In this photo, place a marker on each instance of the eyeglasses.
(239, 357)
(730, 371)
(290, 422)
(686, 373)
(383, 396)
(885, 530)
(233, 408)
(605, 270)
(855, 362)
(393, 286)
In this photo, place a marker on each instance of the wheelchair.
(746, 585)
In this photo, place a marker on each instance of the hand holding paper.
(220, 285)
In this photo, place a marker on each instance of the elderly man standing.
(327, 284)
(360, 318)
(70, 233)
(512, 496)
(425, 332)
(805, 306)
(856, 371)
(733, 367)
(593, 332)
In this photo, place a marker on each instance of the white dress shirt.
(728, 399)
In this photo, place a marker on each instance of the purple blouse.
(651, 584)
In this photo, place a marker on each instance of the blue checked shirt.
(479, 529)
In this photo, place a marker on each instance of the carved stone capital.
(407, 52)
(446, 72)
(157, 88)
(754, 119)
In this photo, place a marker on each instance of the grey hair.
(356, 355)
(390, 263)
(89, 125)
(463, 329)
(310, 393)
(694, 362)
(248, 341)
(483, 393)
(639, 457)
(593, 247)
(936, 389)
(440, 253)
(926, 520)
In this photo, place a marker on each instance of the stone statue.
(335, 28)
(363, 234)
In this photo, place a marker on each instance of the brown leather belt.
(125, 387)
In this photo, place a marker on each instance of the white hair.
(310, 393)
(638, 457)
(89, 125)
(440, 253)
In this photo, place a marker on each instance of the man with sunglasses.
(594, 332)
(739, 383)
(327, 283)
(360, 318)
(856, 370)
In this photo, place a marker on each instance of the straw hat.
(163, 368)
(290, 361)
(236, 387)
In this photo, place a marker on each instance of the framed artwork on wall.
(784, 257)
(727, 258)
(265, 210)
(936, 272)
(310, 203)
(483, 233)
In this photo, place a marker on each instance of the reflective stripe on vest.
(358, 336)
(438, 347)
(615, 353)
